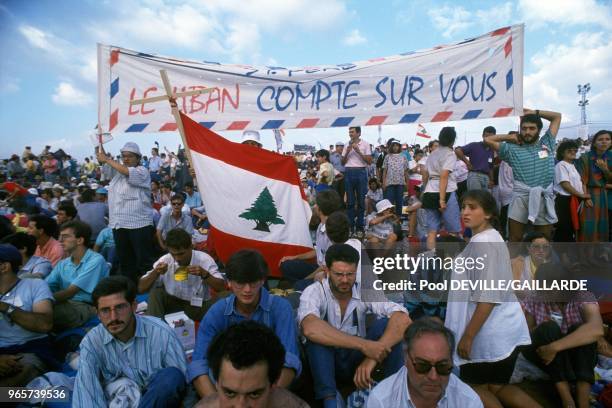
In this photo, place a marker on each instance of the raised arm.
(495, 140)
(553, 117)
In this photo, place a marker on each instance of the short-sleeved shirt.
(37, 265)
(322, 243)
(105, 238)
(565, 171)
(396, 166)
(336, 161)
(129, 199)
(443, 158)
(353, 160)
(167, 222)
(187, 289)
(532, 164)
(85, 275)
(381, 230)
(93, 214)
(572, 313)
(24, 295)
(481, 156)
(52, 250)
(194, 200)
(376, 196)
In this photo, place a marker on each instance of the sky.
(48, 65)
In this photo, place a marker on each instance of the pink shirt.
(52, 250)
(353, 159)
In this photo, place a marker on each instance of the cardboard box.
(184, 328)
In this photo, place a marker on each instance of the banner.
(479, 77)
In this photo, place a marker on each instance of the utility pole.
(583, 102)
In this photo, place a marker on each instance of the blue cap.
(9, 253)
(102, 190)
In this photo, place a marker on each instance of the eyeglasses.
(119, 309)
(424, 367)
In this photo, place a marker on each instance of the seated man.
(426, 379)
(247, 359)
(183, 279)
(74, 278)
(65, 212)
(32, 266)
(174, 219)
(138, 355)
(333, 319)
(26, 316)
(43, 229)
(246, 272)
(192, 198)
(383, 228)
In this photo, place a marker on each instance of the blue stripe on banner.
(114, 87)
(342, 121)
(473, 114)
(207, 125)
(509, 80)
(137, 127)
(410, 118)
(273, 124)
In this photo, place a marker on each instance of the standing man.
(335, 158)
(155, 164)
(129, 204)
(532, 160)
(480, 163)
(356, 157)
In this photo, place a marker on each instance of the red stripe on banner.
(170, 126)
(441, 116)
(307, 123)
(238, 125)
(226, 244)
(500, 31)
(114, 119)
(502, 112)
(508, 46)
(114, 57)
(250, 158)
(376, 120)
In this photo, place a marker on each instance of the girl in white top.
(488, 323)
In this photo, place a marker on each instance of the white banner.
(477, 78)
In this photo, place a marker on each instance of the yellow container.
(181, 274)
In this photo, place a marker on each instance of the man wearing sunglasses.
(174, 219)
(426, 379)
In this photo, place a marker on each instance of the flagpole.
(176, 113)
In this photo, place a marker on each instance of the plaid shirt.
(572, 312)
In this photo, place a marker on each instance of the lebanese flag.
(422, 132)
(253, 197)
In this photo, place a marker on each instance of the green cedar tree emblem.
(263, 212)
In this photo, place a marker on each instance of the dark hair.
(112, 285)
(486, 201)
(155, 182)
(341, 253)
(337, 227)
(189, 184)
(532, 118)
(87, 195)
(47, 191)
(81, 229)
(431, 143)
(489, 129)
(244, 345)
(357, 128)
(428, 325)
(178, 196)
(47, 224)
(447, 136)
(246, 266)
(374, 180)
(563, 146)
(69, 209)
(323, 153)
(532, 236)
(418, 151)
(178, 238)
(21, 240)
(597, 135)
(328, 201)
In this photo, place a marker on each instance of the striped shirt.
(129, 199)
(104, 359)
(532, 164)
(167, 222)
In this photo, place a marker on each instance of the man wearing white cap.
(251, 137)
(129, 204)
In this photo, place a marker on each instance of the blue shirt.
(93, 214)
(167, 222)
(103, 359)
(85, 275)
(38, 265)
(272, 311)
(105, 238)
(193, 200)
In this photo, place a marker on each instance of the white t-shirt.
(506, 327)
(565, 171)
(443, 158)
(412, 165)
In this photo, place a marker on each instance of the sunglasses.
(424, 367)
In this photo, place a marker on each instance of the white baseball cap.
(132, 148)
(251, 135)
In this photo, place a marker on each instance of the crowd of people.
(94, 255)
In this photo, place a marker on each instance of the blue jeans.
(165, 389)
(477, 181)
(356, 184)
(395, 194)
(329, 364)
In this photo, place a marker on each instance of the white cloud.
(450, 20)
(497, 16)
(354, 37)
(565, 12)
(10, 85)
(67, 94)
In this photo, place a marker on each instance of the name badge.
(196, 301)
(490, 160)
(542, 154)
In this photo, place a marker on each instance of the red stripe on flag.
(500, 31)
(238, 125)
(114, 119)
(114, 57)
(250, 158)
(226, 244)
(502, 112)
(169, 127)
(307, 123)
(426, 136)
(441, 116)
(376, 120)
(508, 46)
